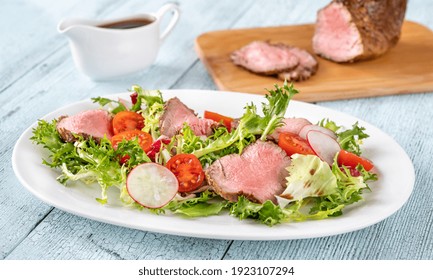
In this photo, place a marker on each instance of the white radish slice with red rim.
(309, 127)
(152, 185)
(323, 145)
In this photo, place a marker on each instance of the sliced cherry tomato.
(351, 160)
(127, 120)
(294, 144)
(227, 121)
(188, 171)
(144, 139)
(124, 159)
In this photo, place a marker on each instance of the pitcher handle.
(176, 13)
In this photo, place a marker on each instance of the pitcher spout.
(72, 28)
(65, 25)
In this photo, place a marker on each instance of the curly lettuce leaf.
(189, 143)
(271, 214)
(151, 105)
(251, 124)
(114, 106)
(351, 139)
(146, 97)
(201, 206)
(274, 111)
(349, 190)
(267, 213)
(246, 129)
(87, 160)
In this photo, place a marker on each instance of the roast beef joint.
(353, 30)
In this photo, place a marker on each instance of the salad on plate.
(163, 157)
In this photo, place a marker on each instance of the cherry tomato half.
(351, 160)
(188, 171)
(144, 139)
(294, 144)
(227, 121)
(127, 120)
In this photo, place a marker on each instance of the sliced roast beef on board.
(287, 62)
(259, 173)
(352, 30)
(264, 58)
(176, 114)
(306, 68)
(92, 123)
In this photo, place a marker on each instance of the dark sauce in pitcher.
(127, 24)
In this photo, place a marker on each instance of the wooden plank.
(407, 68)
(65, 236)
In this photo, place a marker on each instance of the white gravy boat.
(106, 49)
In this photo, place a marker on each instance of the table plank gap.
(5, 255)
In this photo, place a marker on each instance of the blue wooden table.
(37, 76)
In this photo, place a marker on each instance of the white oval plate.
(388, 194)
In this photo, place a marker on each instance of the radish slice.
(152, 185)
(323, 145)
(307, 128)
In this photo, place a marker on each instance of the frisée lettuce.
(251, 124)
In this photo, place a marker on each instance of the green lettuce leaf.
(349, 139)
(204, 205)
(87, 160)
(349, 190)
(309, 177)
(146, 97)
(274, 111)
(151, 105)
(250, 126)
(267, 213)
(114, 106)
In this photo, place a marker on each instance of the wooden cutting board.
(407, 68)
